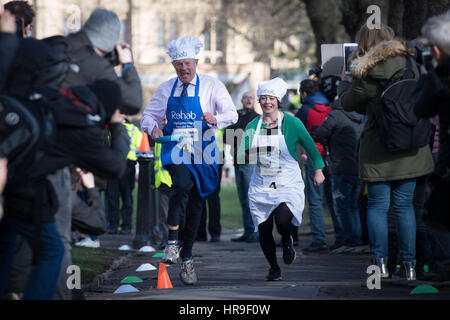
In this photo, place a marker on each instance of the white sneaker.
(88, 243)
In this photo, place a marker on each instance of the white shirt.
(214, 98)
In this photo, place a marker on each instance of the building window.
(161, 59)
(207, 35)
(124, 32)
(161, 34)
(219, 36)
(207, 60)
(173, 30)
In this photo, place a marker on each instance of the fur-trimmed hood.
(380, 52)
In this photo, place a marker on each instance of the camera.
(113, 57)
(328, 84)
(348, 50)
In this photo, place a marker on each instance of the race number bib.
(189, 136)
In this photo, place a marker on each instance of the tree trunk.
(354, 14)
(323, 18)
(395, 18)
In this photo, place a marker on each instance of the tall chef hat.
(184, 48)
(275, 87)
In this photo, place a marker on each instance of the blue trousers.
(41, 283)
(345, 195)
(243, 173)
(379, 199)
(121, 188)
(315, 196)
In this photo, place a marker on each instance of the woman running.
(276, 188)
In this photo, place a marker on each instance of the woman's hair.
(368, 38)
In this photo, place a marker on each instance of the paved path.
(236, 271)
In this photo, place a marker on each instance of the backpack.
(26, 122)
(400, 129)
(36, 66)
(25, 132)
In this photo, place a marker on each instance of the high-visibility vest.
(161, 174)
(135, 140)
(219, 138)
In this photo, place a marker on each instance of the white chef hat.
(275, 87)
(184, 48)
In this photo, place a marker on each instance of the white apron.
(277, 178)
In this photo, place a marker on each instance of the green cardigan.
(294, 132)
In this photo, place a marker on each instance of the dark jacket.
(313, 112)
(242, 122)
(89, 210)
(9, 43)
(434, 99)
(94, 67)
(376, 162)
(85, 147)
(340, 132)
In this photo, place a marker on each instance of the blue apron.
(182, 113)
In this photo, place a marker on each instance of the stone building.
(148, 25)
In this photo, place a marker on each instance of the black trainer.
(288, 251)
(274, 275)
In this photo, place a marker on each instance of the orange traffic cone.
(145, 145)
(163, 278)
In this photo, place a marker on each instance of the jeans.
(314, 196)
(41, 282)
(243, 173)
(121, 188)
(379, 199)
(345, 195)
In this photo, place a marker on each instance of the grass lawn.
(93, 261)
(231, 212)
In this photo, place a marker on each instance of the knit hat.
(275, 87)
(108, 93)
(103, 29)
(184, 48)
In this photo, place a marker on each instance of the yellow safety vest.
(135, 140)
(161, 174)
(219, 138)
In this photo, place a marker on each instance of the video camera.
(328, 84)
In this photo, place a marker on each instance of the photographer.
(434, 96)
(90, 48)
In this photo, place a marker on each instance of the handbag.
(88, 216)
